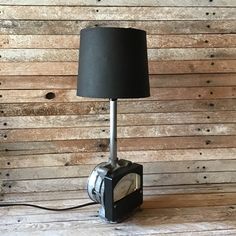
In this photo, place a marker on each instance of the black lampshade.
(113, 63)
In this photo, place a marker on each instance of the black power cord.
(46, 208)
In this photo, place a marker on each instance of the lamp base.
(119, 190)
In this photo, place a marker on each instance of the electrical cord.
(47, 208)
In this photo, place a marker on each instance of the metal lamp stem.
(113, 132)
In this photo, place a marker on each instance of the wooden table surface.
(169, 210)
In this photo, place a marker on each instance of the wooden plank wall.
(185, 133)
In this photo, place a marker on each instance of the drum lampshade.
(113, 63)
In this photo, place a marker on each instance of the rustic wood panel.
(95, 107)
(153, 41)
(71, 55)
(172, 3)
(149, 168)
(123, 120)
(65, 184)
(69, 82)
(194, 159)
(101, 145)
(59, 27)
(18, 96)
(155, 67)
(116, 13)
(123, 132)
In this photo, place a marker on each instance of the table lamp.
(113, 64)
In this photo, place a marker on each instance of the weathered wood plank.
(101, 145)
(152, 27)
(69, 82)
(158, 167)
(71, 55)
(70, 159)
(20, 122)
(198, 228)
(18, 96)
(171, 3)
(102, 107)
(116, 13)
(65, 184)
(189, 178)
(159, 202)
(148, 191)
(67, 55)
(44, 134)
(155, 67)
(153, 41)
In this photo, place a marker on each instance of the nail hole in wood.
(6, 150)
(208, 81)
(5, 124)
(50, 95)
(198, 167)
(8, 163)
(208, 130)
(206, 41)
(5, 136)
(200, 153)
(212, 55)
(204, 167)
(207, 13)
(9, 186)
(208, 117)
(213, 13)
(0, 95)
(208, 142)
(208, 26)
(97, 10)
(212, 63)
(204, 177)
(198, 129)
(211, 104)
(103, 130)
(211, 93)
(199, 95)
(7, 174)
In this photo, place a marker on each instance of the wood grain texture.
(122, 119)
(155, 67)
(116, 13)
(143, 156)
(102, 107)
(101, 145)
(153, 41)
(26, 27)
(65, 184)
(123, 132)
(18, 96)
(159, 167)
(72, 55)
(171, 3)
(165, 81)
